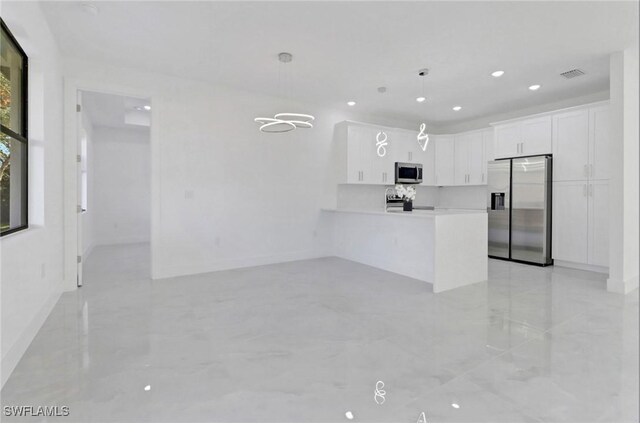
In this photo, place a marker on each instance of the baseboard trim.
(230, 264)
(17, 350)
(619, 286)
(581, 266)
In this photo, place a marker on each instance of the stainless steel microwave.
(408, 173)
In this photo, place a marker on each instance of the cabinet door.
(571, 146)
(461, 159)
(536, 136)
(427, 159)
(599, 142)
(361, 152)
(477, 161)
(383, 159)
(444, 160)
(354, 158)
(489, 155)
(570, 221)
(507, 140)
(599, 223)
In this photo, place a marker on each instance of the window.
(13, 135)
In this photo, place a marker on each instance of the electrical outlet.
(188, 194)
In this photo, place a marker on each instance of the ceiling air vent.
(572, 73)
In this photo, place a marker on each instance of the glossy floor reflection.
(307, 341)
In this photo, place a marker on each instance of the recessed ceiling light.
(147, 388)
(454, 405)
(147, 107)
(349, 415)
(534, 87)
(420, 99)
(497, 74)
(457, 108)
(351, 103)
(91, 9)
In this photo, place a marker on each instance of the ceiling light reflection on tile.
(534, 87)
(497, 74)
(457, 108)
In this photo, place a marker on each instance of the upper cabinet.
(470, 159)
(580, 144)
(367, 153)
(444, 158)
(527, 137)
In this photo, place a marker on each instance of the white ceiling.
(345, 50)
(115, 111)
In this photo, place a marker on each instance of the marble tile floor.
(307, 341)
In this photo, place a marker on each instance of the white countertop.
(416, 213)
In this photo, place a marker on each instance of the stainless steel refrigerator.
(519, 191)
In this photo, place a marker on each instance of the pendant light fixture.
(285, 122)
(423, 137)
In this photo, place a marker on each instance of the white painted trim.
(622, 287)
(230, 264)
(581, 266)
(551, 112)
(71, 88)
(13, 356)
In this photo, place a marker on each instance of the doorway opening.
(114, 188)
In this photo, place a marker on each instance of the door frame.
(72, 86)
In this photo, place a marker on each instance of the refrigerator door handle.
(590, 190)
(584, 190)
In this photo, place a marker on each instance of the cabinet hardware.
(586, 170)
(482, 177)
(584, 190)
(591, 170)
(590, 190)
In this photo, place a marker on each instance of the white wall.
(31, 260)
(121, 188)
(624, 175)
(223, 194)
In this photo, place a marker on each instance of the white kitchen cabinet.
(570, 221)
(581, 222)
(488, 138)
(382, 167)
(429, 164)
(477, 160)
(598, 223)
(571, 146)
(445, 155)
(461, 159)
(536, 136)
(528, 137)
(469, 159)
(358, 155)
(599, 135)
(359, 148)
(507, 140)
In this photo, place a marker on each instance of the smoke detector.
(572, 73)
(382, 90)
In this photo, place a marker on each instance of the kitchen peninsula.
(444, 247)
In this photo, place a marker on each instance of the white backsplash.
(365, 197)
